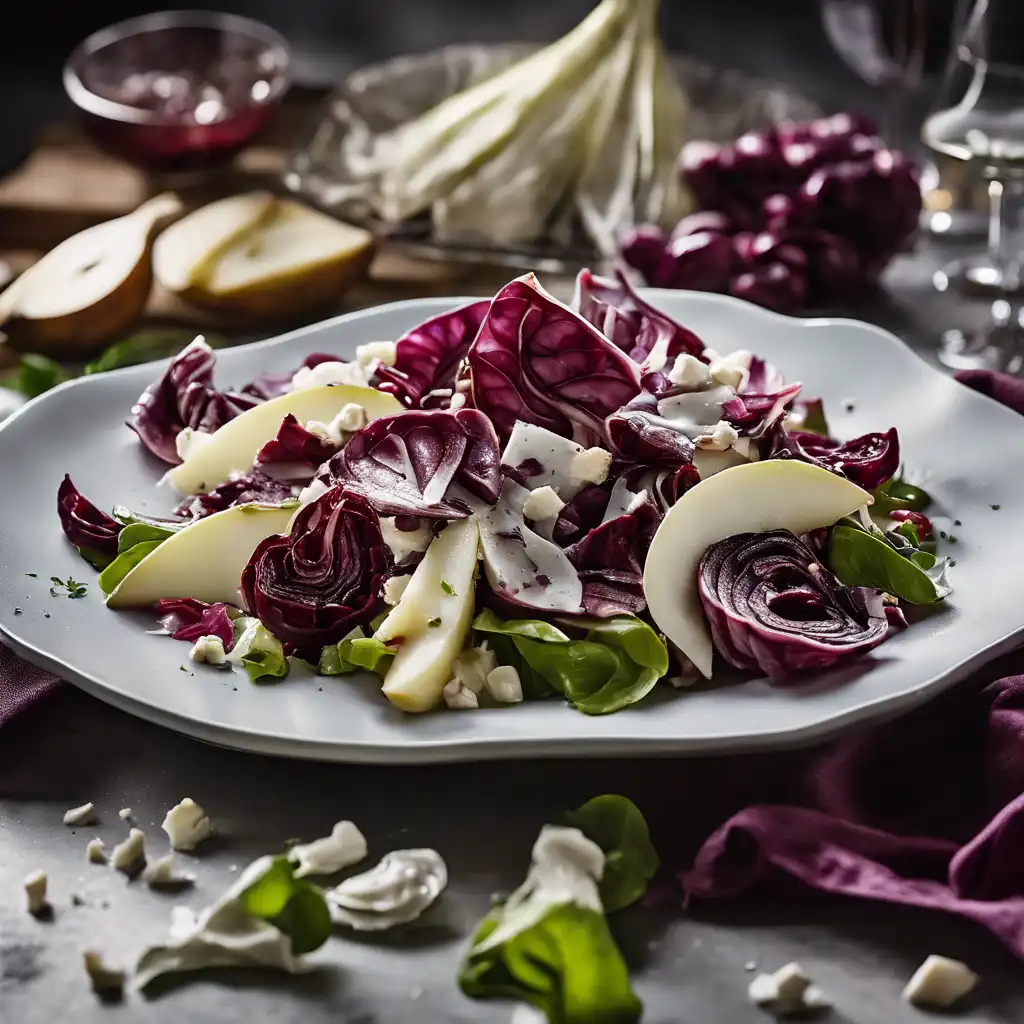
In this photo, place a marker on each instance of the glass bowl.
(178, 90)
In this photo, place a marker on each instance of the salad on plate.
(517, 500)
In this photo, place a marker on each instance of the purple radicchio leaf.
(756, 415)
(295, 453)
(763, 378)
(184, 397)
(275, 383)
(535, 359)
(254, 486)
(406, 464)
(427, 358)
(610, 562)
(774, 608)
(186, 618)
(580, 514)
(313, 586)
(639, 329)
(867, 461)
(93, 532)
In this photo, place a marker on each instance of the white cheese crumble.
(385, 352)
(472, 667)
(458, 400)
(125, 813)
(344, 847)
(543, 503)
(189, 441)
(35, 892)
(732, 370)
(351, 418)
(939, 982)
(405, 542)
(187, 825)
(162, 875)
(330, 373)
(788, 991)
(208, 649)
(690, 372)
(591, 466)
(504, 685)
(104, 978)
(130, 855)
(458, 696)
(721, 436)
(313, 490)
(403, 885)
(394, 588)
(319, 429)
(80, 815)
(96, 851)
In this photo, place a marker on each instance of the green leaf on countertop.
(34, 375)
(617, 826)
(291, 905)
(148, 345)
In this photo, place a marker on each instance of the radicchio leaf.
(774, 608)
(93, 532)
(610, 562)
(868, 460)
(313, 586)
(274, 383)
(427, 358)
(254, 486)
(537, 360)
(639, 329)
(188, 619)
(405, 465)
(763, 378)
(184, 397)
(296, 453)
(580, 515)
(755, 415)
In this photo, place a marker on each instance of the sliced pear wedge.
(433, 617)
(233, 448)
(778, 494)
(204, 561)
(90, 287)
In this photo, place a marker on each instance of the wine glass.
(981, 122)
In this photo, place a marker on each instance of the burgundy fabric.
(21, 684)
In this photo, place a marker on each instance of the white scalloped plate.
(964, 447)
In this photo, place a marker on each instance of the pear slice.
(204, 561)
(258, 257)
(432, 618)
(234, 446)
(91, 287)
(779, 494)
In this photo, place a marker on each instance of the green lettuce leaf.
(141, 533)
(146, 346)
(897, 494)
(353, 653)
(617, 826)
(258, 651)
(124, 563)
(615, 664)
(34, 375)
(291, 905)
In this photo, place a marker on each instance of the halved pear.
(779, 494)
(204, 561)
(433, 617)
(234, 446)
(91, 287)
(258, 257)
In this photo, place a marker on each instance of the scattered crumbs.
(46, 615)
(750, 965)
(320, 689)
(234, 689)
(995, 508)
(35, 575)
(942, 534)
(76, 900)
(952, 562)
(849, 404)
(53, 591)
(447, 588)
(952, 539)
(125, 813)
(434, 622)
(181, 668)
(17, 611)
(956, 522)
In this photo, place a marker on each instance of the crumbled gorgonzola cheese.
(458, 696)
(80, 815)
(104, 978)
(721, 436)
(187, 825)
(543, 503)
(504, 685)
(591, 466)
(394, 588)
(689, 372)
(130, 855)
(939, 982)
(35, 892)
(385, 352)
(208, 649)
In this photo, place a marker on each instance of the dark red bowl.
(178, 90)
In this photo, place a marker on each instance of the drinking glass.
(981, 123)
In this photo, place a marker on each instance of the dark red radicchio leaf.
(93, 532)
(184, 397)
(535, 359)
(580, 514)
(275, 383)
(313, 586)
(868, 460)
(296, 451)
(616, 310)
(763, 378)
(427, 358)
(254, 486)
(186, 618)
(405, 465)
(774, 608)
(757, 415)
(610, 562)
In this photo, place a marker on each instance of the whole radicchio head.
(313, 586)
(184, 397)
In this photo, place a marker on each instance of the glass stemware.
(981, 123)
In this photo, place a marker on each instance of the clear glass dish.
(374, 100)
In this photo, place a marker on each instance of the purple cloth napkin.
(21, 684)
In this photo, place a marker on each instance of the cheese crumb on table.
(130, 856)
(187, 825)
(788, 991)
(939, 982)
(125, 813)
(80, 815)
(35, 892)
(105, 979)
(162, 875)
(96, 851)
